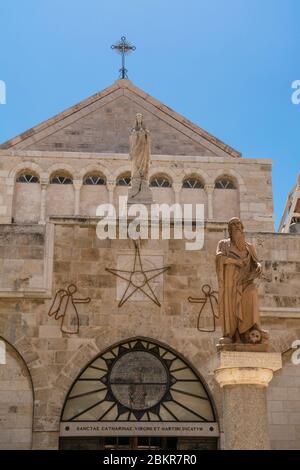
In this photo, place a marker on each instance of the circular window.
(139, 380)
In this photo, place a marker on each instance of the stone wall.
(226, 204)
(284, 406)
(60, 200)
(90, 198)
(280, 282)
(251, 200)
(22, 258)
(55, 359)
(16, 403)
(107, 130)
(26, 203)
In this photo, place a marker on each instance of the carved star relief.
(138, 279)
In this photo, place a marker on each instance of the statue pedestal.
(241, 347)
(139, 193)
(244, 378)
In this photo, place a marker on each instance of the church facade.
(88, 363)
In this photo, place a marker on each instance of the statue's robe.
(140, 153)
(237, 299)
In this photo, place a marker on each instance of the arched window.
(224, 183)
(124, 180)
(27, 197)
(94, 180)
(192, 182)
(139, 380)
(27, 177)
(226, 201)
(61, 178)
(160, 181)
(93, 192)
(60, 194)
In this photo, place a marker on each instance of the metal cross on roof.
(123, 47)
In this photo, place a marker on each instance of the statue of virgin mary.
(139, 150)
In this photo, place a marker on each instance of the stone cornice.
(124, 156)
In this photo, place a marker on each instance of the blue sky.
(227, 65)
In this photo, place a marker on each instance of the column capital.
(77, 184)
(111, 185)
(177, 186)
(247, 368)
(243, 376)
(44, 183)
(209, 188)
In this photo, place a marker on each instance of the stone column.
(110, 188)
(177, 188)
(244, 378)
(209, 189)
(77, 187)
(44, 186)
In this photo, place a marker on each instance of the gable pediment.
(102, 124)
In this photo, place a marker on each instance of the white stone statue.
(139, 150)
(139, 154)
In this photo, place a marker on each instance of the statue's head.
(236, 232)
(139, 121)
(234, 225)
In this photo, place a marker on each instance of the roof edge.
(120, 84)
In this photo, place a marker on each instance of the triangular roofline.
(191, 129)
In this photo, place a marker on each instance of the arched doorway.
(138, 395)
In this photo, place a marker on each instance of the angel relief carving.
(64, 308)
